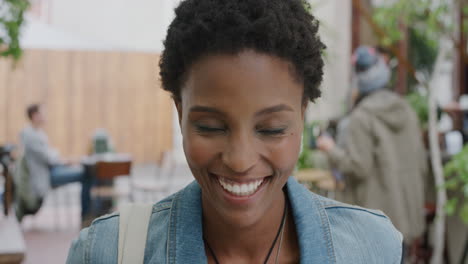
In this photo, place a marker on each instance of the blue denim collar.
(185, 241)
(312, 225)
(185, 237)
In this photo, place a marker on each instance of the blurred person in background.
(381, 153)
(41, 168)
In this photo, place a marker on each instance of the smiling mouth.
(241, 189)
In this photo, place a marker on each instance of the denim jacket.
(328, 232)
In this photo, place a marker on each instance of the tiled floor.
(45, 246)
(49, 233)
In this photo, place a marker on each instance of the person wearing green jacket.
(382, 155)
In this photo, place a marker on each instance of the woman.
(241, 73)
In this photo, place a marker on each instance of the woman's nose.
(240, 156)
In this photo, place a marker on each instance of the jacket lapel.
(185, 238)
(312, 225)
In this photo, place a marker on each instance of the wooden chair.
(106, 172)
(157, 186)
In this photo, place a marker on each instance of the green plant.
(419, 104)
(305, 157)
(422, 53)
(428, 17)
(456, 173)
(11, 20)
(426, 21)
(309, 136)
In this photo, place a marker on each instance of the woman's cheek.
(198, 150)
(284, 154)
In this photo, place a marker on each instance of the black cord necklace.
(283, 220)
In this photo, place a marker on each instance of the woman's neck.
(248, 242)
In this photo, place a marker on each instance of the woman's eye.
(208, 129)
(272, 132)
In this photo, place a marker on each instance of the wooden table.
(323, 179)
(320, 181)
(12, 246)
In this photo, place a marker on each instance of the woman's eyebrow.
(268, 110)
(274, 109)
(205, 109)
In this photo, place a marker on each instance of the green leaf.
(451, 206)
(419, 103)
(11, 21)
(465, 190)
(465, 10)
(452, 184)
(464, 213)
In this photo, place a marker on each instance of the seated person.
(41, 168)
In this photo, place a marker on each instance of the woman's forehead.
(244, 78)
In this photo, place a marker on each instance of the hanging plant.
(11, 20)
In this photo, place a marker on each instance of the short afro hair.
(283, 28)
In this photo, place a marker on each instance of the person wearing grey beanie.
(382, 159)
(372, 72)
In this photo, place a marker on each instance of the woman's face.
(241, 118)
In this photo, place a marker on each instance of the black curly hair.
(284, 28)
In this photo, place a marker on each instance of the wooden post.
(402, 71)
(356, 25)
(462, 89)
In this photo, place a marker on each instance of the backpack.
(26, 202)
(133, 230)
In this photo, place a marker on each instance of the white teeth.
(240, 189)
(244, 188)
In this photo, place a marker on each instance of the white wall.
(39, 35)
(130, 25)
(335, 31)
(136, 25)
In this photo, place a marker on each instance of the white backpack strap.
(133, 229)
